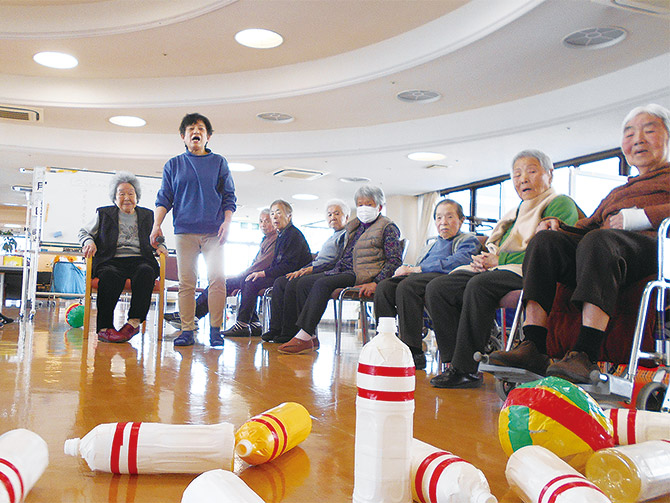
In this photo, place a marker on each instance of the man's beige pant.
(189, 246)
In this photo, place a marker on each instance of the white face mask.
(367, 214)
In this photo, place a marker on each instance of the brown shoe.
(524, 356)
(297, 346)
(117, 336)
(575, 367)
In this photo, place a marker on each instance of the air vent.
(354, 179)
(21, 114)
(275, 117)
(298, 174)
(595, 38)
(418, 96)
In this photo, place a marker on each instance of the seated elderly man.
(613, 248)
(118, 240)
(283, 308)
(404, 293)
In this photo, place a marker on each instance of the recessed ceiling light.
(595, 38)
(418, 96)
(305, 197)
(426, 156)
(55, 60)
(354, 179)
(241, 166)
(258, 38)
(127, 121)
(275, 117)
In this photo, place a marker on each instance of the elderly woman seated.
(118, 241)
(404, 293)
(462, 304)
(372, 253)
(613, 248)
(283, 307)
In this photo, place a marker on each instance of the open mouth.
(195, 138)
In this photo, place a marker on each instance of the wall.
(404, 212)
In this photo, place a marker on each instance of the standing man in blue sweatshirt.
(198, 187)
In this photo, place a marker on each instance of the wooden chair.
(159, 290)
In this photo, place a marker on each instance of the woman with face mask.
(372, 253)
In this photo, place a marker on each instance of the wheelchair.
(605, 386)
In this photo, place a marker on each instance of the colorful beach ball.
(74, 315)
(557, 415)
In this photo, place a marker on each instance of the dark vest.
(369, 255)
(108, 235)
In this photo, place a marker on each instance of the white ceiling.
(507, 83)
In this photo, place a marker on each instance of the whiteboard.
(71, 198)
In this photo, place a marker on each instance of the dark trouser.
(462, 306)
(596, 265)
(313, 294)
(246, 311)
(284, 306)
(232, 284)
(112, 276)
(404, 296)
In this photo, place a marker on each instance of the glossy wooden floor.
(61, 385)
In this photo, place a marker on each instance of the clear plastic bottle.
(219, 486)
(441, 477)
(537, 475)
(24, 456)
(155, 448)
(633, 426)
(270, 434)
(630, 473)
(384, 416)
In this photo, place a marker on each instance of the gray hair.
(285, 205)
(124, 177)
(264, 211)
(370, 192)
(541, 157)
(342, 205)
(651, 109)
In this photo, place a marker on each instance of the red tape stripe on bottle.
(275, 436)
(631, 417)
(435, 476)
(379, 370)
(8, 484)
(565, 482)
(386, 396)
(117, 443)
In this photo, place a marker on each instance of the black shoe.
(256, 329)
(524, 356)
(4, 320)
(452, 378)
(575, 367)
(238, 330)
(271, 335)
(170, 317)
(282, 339)
(419, 361)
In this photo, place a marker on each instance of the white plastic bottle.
(219, 486)
(384, 416)
(537, 475)
(636, 472)
(24, 456)
(441, 477)
(155, 448)
(633, 426)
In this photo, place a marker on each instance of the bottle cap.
(71, 447)
(243, 448)
(484, 497)
(386, 324)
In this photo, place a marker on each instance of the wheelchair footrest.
(511, 374)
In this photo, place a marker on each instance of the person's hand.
(156, 232)
(89, 249)
(223, 231)
(367, 289)
(162, 250)
(404, 270)
(615, 221)
(300, 272)
(484, 261)
(548, 224)
(255, 275)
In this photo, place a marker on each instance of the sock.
(214, 331)
(537, 335)
(303, 336)
(134, 322)
(589, 341)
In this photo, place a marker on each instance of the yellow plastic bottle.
(631, 473)
(270, 434)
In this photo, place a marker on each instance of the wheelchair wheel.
(495, 341)
(651, 397)
(504, 387)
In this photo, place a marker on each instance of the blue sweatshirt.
(199, 189)
(444, 257)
